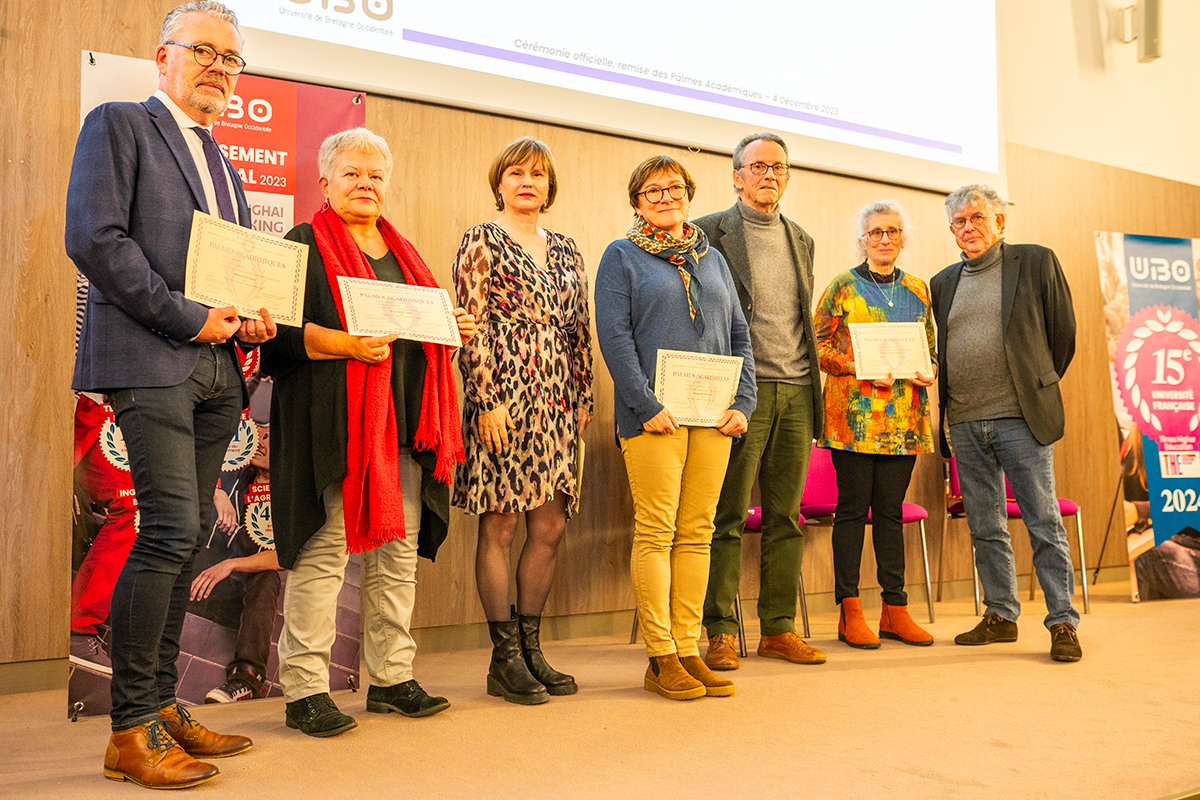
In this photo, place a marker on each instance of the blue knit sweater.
(641, 306)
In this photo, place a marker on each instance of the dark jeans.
(875, 484)
(176, 437)
(259, 602)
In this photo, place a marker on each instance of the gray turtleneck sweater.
(980, 382)
(777, 328)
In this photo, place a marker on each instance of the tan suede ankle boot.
(714, 685)
(666, 676)
(852, 628)
(895, 623)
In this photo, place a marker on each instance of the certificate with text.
(382, 308)
(228, 265)
(896, 348)
(697, 388)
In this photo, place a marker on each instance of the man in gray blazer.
(771, 259)
(168, 365)
(1006, 335)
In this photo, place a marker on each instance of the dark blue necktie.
(216, 168)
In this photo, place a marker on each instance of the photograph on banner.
(1152, 324)
(228, 643)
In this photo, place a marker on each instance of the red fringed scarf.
(374, 509)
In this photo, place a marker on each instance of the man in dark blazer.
(771, 259)
(1006, 335)
(168, 365)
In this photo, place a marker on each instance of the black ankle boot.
(556, 683)
(508, 676)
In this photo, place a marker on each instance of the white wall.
(1070, 86)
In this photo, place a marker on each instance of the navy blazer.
(134, 186)
(726, 233)
(1038, 324)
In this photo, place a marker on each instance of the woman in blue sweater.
(663, 287)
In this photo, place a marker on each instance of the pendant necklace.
(879, 288)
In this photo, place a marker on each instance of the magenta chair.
(955, 510)
(820, 500)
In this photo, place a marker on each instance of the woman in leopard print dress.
(527, 376)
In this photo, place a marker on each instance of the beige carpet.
(900, 722)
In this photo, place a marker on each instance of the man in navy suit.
(168, 365)
(1006, 335)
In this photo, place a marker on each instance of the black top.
(308, 417)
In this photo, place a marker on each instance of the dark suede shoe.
(408, 698)
(316, 715)
(1064, 643)
(991, 629)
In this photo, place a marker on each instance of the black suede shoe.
(316, 715)
(1064, 643)
(991, 629)
(408, 698)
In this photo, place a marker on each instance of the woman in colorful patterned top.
(528, 383)
(662, 287)
(874, 429)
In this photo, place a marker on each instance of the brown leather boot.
(714, 686)
(852, 628)
(895, 623)
(722, 654)
(197, 740)
(666, 676)
(149, 757)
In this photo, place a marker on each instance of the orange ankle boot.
(895, 623)
(852, 628)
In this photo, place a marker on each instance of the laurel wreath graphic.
(1149, 327)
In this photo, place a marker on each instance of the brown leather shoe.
(149, 757)
(790, 647)
(714, 686)
(722, 654)
(666, 676)
(197, 740)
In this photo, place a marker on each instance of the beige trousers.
(675, 480)
(389, 588)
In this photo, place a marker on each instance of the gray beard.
(204, 103)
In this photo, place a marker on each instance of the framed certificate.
(896, 348)
(382, 308)
(228, 265)
(697, 388)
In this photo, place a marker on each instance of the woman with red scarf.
(366, 438)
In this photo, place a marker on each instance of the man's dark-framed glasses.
(206, 57)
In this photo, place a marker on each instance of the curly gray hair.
(875, 209)
(972, 192)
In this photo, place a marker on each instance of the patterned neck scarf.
(694, 243)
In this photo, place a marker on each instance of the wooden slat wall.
(439, 190)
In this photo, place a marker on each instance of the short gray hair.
(969, 194)
(174, 18)
(353, 139)
(874, 209)
(765, 136)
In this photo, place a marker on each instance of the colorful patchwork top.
(858, 415)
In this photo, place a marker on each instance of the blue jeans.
(987, 451)
(176, 437)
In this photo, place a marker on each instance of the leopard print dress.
(533, 355)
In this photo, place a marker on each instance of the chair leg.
(1087, 605)
(975, 569)
(1033, 580)
(925, 558)
(633, 633)
(804, 608)
(737, 613)
(942, 555)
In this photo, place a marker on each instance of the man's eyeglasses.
(759, 168)
(206, 57)
(976, 220)
(893, 234)
(675, 192)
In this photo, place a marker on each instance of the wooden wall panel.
(438, 191)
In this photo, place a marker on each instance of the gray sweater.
(777, 330)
